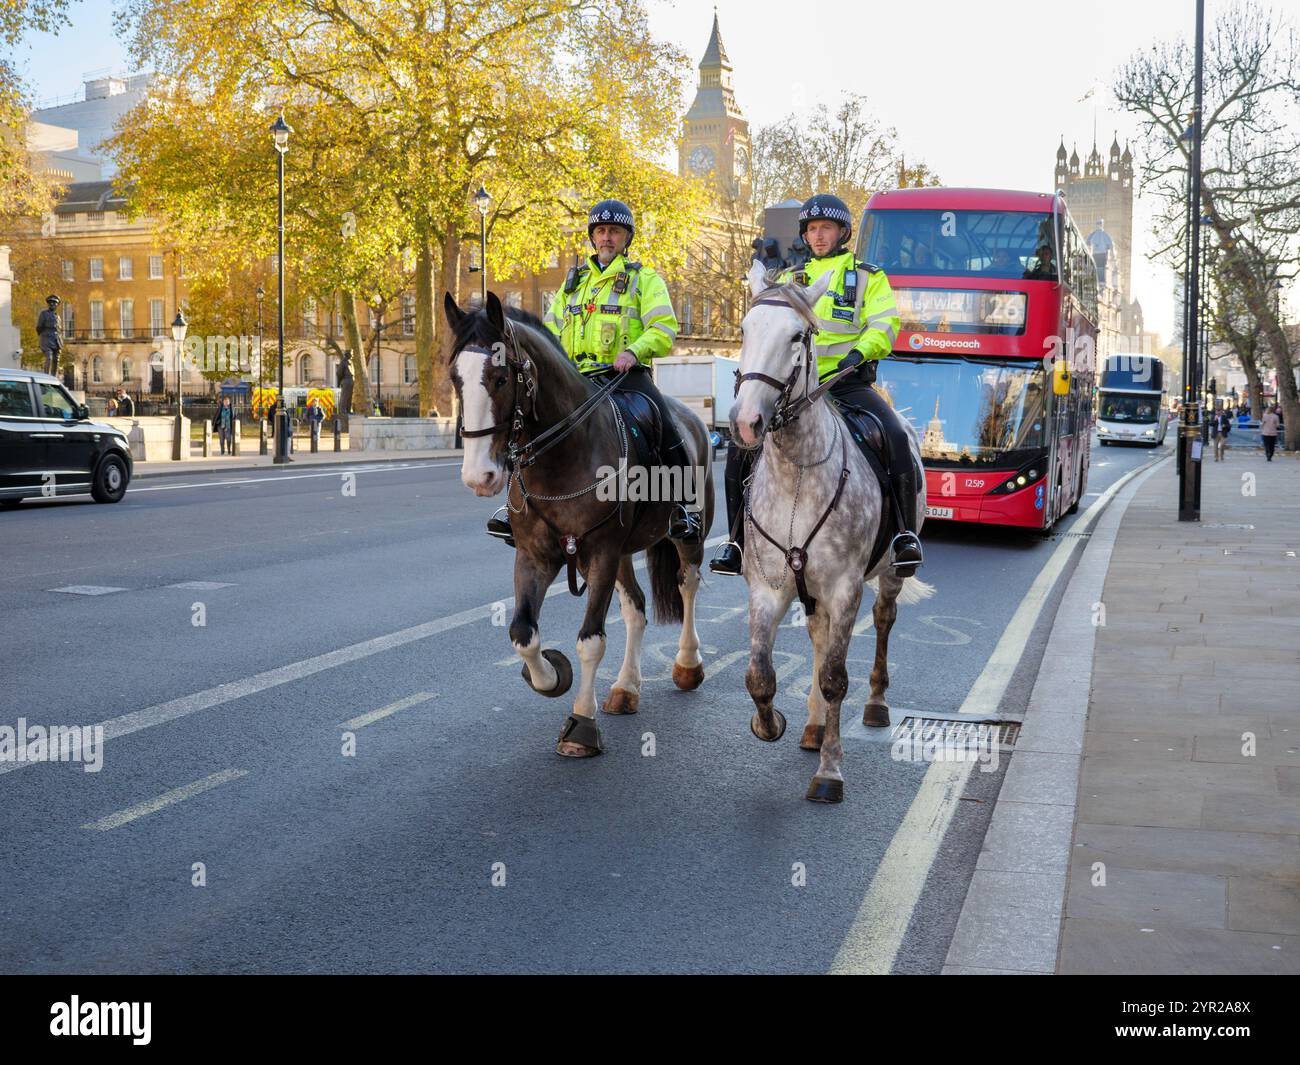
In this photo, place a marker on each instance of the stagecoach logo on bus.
(917, 341)
(56, 743)
(652, 484)
(949, 741)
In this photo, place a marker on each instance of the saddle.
(867, 432)
(644, 428)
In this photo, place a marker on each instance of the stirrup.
(728, 559)
(500, 527)
(905, 550)
(685, 526)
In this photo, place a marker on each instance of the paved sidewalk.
(1186, 848)
(253, 461)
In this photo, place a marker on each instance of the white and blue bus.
(1131, 400)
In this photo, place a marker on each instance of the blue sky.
(981, 91)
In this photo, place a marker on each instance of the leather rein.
(519, 456)
(787, 412)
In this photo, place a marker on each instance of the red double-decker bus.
(994, 361)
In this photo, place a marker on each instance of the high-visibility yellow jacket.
(856, 313)
(623, 307)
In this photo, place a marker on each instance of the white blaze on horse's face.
(479, 470)
(770, 346)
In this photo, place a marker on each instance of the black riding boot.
(728, 559)
(499, 526)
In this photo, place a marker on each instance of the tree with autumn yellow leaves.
(401, 109)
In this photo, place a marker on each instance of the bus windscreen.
(1128, 408)
(970, 413)
(993, 244)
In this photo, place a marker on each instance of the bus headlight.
(1102, 430)
(1149, 432)
(1023, 477)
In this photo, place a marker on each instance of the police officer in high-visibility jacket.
(615, 315)
(858, 324)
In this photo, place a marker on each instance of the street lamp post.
(280, 131)
(1189, 437)
(482, 201)
(179, 328)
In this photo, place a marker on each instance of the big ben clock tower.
(715, 135)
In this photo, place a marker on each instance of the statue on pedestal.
(49, 328)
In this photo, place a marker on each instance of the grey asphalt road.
(228, 830)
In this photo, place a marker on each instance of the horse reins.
(519, 457)
(788, 410)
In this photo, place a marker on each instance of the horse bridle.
(524, 455)
(788, 406)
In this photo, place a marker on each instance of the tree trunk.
(450, 283)
(361, 403)
(1253, 383)
(424, 323)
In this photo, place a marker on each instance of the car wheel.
(110, 480)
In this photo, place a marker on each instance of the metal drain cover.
(958, 735)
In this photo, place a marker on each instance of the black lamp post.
(179, 328)
(280, 131)
(260, 295)
(1189, 436)
(482, 201)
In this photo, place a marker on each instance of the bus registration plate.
(938, 512)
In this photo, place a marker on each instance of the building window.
(126, 370)
(687, 322)
(408, 316)
(126, 316)
(155, 267)
(409, 376)
(97, 269)
(275, 263)
(96, 319)
(69, 319)
(309, 315)
(553, 262)
(515, 299)
(548, 297)
(156, 317)
(69, 270)
(125, 268)
(97, 370)
(181, 271)
(304, 370)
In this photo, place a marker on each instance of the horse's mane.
(538, 342)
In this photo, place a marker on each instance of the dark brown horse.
(520, 395)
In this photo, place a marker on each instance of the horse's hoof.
(621, 701)
(876, 715)
(580, 738)
(563, 673)
(812, 737)
(825, 789)
(688, 678)
(780, 727)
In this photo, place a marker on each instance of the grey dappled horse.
(813, 490)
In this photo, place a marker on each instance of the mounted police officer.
(615, 315)
(858, 323)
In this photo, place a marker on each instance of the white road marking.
(372, 716)
(201, 586)
(168, 798)
(873, 939)
(337, 471)
(221, 694)
(87, 589)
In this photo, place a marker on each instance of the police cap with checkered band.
(611, 213)
(824, 205)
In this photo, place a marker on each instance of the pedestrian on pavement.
(1268, 427)
(125, 405)
(1222, 426)
(111, 410)
(225, 424)
(315, 415)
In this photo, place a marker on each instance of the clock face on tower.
(702, 160)
(742, 161)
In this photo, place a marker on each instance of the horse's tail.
(663, 562)
(914, 590)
